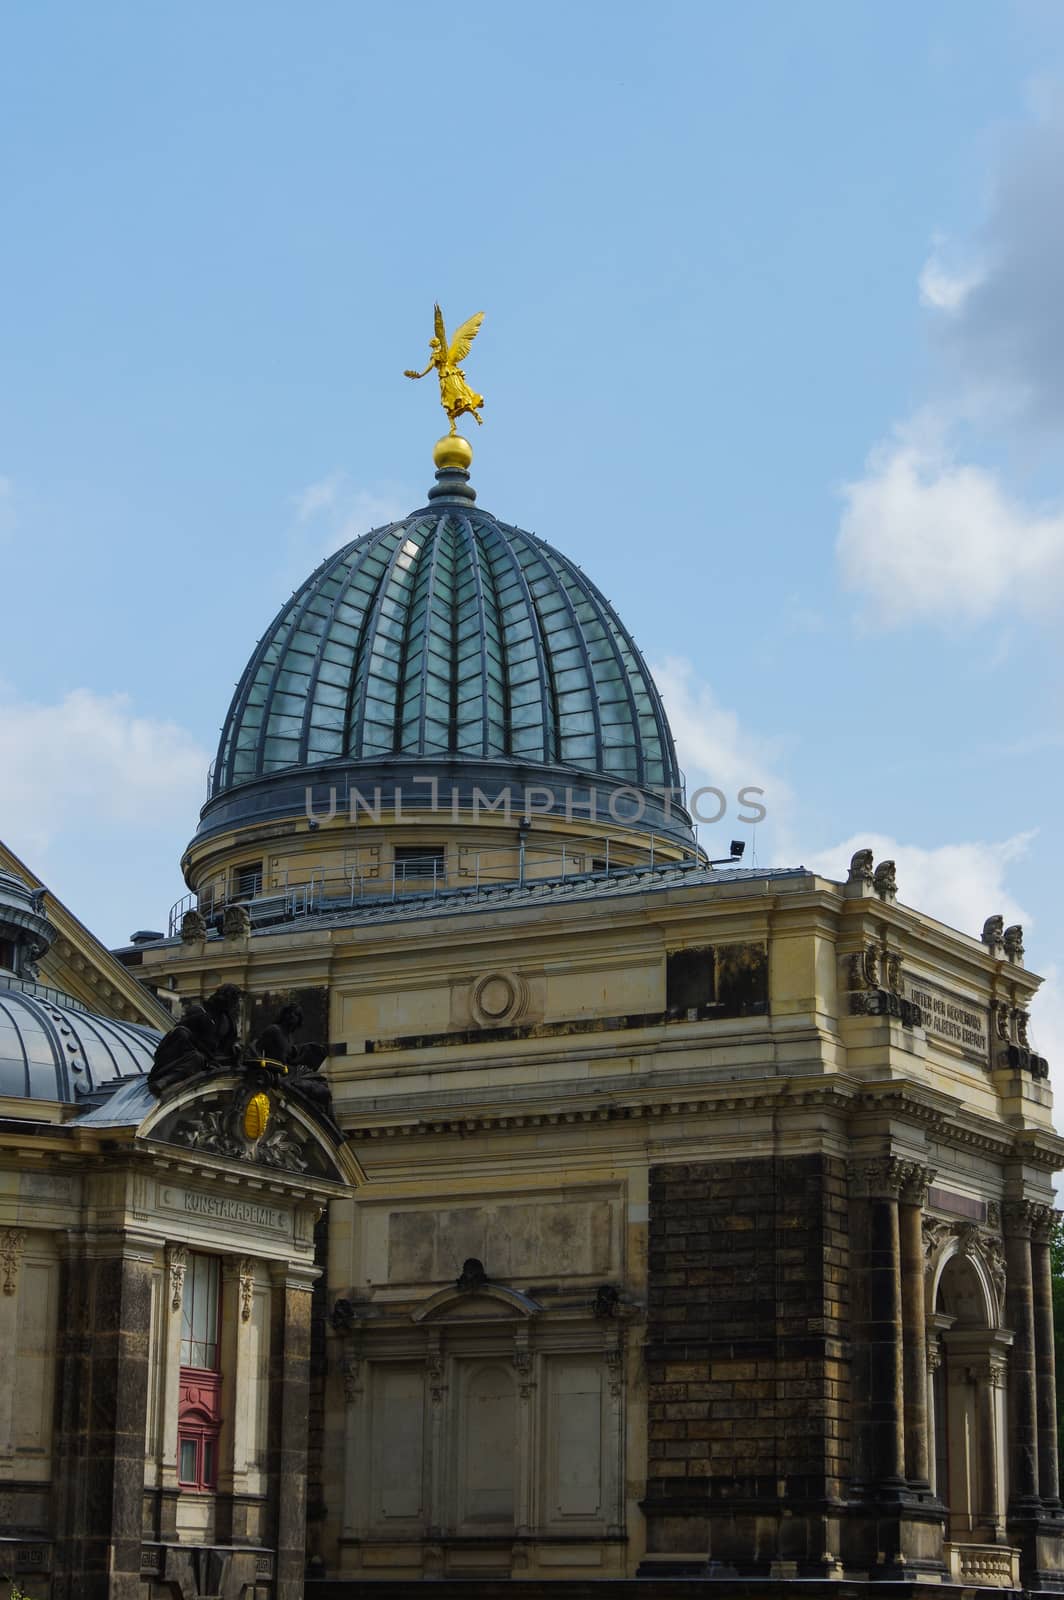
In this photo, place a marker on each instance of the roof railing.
(364, 879)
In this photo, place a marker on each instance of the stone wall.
(748, 1372)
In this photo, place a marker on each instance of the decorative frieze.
(246, 1274)
(915, 1182)
(352, 1376)
(436, 1369)
(974, 1241)
(1022, 1218)
(935, 1232)
(176, 1267)
(880, 1177)
(523, 1364)
(615, 1376)
(12, 1244)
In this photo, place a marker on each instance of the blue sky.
(773, 348)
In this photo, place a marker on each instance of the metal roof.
(448, 634)
(51, 1048)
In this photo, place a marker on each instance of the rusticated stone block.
(750, 1339)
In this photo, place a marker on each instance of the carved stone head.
(861, 867)
(885, 880)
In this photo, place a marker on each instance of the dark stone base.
(896, 1539)
(646, 1589)
(1040, 1541)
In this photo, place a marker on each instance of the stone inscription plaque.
(951, 1016)
(519, 1241)
(225, 1208)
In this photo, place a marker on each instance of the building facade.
(680, 1220)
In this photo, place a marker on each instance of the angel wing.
(464, 337)
(441, 331)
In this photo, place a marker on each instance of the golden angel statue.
(456, 397)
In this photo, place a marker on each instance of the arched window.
(968, 1353)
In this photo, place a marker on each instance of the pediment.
(489, 1302)
(225, 1115)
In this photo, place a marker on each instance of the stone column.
(879, 1180)
(1045, 1365)
(103, 1406)
(914, 1186)
(1019, 1218)
(176, 1266)
(289, 1418)
(231, 1525)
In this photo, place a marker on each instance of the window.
(197, 1455)
(199, 1313)
(199, 1417)
(247, 880)
(420, 861)
(688, 980)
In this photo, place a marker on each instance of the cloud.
(961, 885)
(943, 290)
(925, 534)
(89, 760)
(927, 537)
(331, 512)
(958, 884)
(1003, 333)
(714, 748)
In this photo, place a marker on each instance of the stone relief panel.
(28, 1331)
(572, 1471)
(485, 1438)
(553, 1238)
(397, 1446)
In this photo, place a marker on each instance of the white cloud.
(1002, 335)
(926, 537)
(317, 497)
(943, 290)
(714, 748)
(87, 761)
(332, 512)
(924, 534)
(959, 884)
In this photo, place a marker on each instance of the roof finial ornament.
(452, 452)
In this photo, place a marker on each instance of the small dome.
(449, 636)
(52, 1049)
(25, 932)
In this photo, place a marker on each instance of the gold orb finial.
(452, 452)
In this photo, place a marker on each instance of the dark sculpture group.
(207, 1040)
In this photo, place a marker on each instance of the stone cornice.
(938, 1116)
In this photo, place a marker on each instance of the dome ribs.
(390, 591)
(296, 611)
(340, 598)
(503, 550)
(449, 635)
